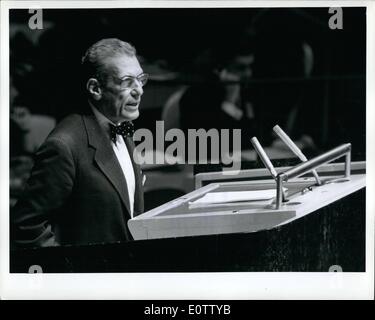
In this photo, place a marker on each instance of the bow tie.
(126, 129)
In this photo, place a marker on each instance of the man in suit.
(86, 184)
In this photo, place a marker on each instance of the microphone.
(294, 148)
(266, 161)
(263, 156)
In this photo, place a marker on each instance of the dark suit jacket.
(77, 193)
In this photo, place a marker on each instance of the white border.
(259, 285)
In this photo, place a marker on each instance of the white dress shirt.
(122, 155)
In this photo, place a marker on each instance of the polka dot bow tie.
(126, 129)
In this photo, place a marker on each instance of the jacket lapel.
(105, 158)
(138, 197)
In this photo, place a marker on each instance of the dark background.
(331, 109)
(330, 101)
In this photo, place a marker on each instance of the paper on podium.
(236, 196)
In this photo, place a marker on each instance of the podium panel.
(188, 216)
(328, 230)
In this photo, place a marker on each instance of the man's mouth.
(133, 104)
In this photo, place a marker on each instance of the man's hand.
(232, 91)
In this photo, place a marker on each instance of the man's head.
(241, 65)
(236, 59)
(238, 68)
(114, 79)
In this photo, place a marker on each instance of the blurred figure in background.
(27, 132)
(28, 129)
(284, 63)
(30, 124)
(34, 128)
(221, 98)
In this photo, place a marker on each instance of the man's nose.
(137, 91)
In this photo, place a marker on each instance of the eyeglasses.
(128, 81)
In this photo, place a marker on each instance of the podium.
(313, 231)
(185, 216)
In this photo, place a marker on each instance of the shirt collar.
(103, 121)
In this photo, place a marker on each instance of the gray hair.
(93, 60)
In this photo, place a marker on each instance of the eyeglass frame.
(133, 79)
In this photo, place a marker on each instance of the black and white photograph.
(181, 143)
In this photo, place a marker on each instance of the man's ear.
(93, 87)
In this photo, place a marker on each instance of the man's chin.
(130, 116)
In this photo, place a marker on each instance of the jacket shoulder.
(69, 130)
